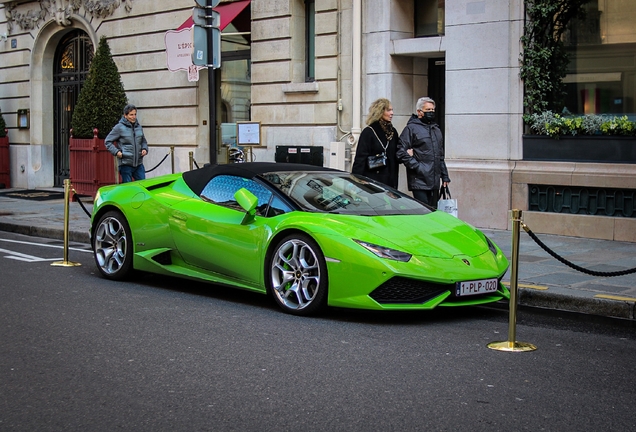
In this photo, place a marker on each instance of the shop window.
(236, 76)
(429, 17)
(602, 72)
(310, 40)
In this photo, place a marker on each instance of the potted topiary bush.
(99, 107)
(3, 126)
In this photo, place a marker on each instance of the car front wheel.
(112, 246)
(298, 275)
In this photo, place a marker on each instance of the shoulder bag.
(379, 160)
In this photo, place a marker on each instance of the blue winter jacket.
(130, 139)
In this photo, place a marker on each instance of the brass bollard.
(66, 262)
(191, 158)
(511, 344)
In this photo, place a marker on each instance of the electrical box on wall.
(337, 153)
(310, 155)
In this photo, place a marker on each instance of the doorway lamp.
(23, 118)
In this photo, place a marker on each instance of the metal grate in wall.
(582, 200)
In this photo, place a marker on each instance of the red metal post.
(5, 163)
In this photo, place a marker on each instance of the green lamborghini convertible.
(308, 236)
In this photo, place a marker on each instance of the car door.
(209, 232)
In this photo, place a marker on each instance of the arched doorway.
(73, 57)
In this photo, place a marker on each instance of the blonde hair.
(376, 110)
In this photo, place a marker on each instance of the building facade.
(305, 72)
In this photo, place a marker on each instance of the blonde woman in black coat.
(378, 137)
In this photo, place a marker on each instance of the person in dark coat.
(128, 142)
(379, 136)
(421, 150)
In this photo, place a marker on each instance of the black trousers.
(429, 197)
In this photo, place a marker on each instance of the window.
(221, 189)
(336, 192)
(602, 74)
(310, 40)
(429, 17)
(236, 75)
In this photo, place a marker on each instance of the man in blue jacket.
(421, 150)
(128, 143)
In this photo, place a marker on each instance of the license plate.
(476, 287)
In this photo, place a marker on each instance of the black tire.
(112, 246)
(297, 277)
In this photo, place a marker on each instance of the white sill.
(306, 87)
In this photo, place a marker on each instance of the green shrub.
(556, 125)
(102, 99)
(618, 126)
(3, 126)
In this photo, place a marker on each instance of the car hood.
(434, 235)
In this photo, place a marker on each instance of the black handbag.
(376, 161)
(379, 160)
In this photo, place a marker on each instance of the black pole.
(211, 84)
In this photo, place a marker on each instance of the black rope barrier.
(570, 264)
(157, 166)
(76, 196)
(195, 163)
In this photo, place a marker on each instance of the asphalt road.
(80, 353)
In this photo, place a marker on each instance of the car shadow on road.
(263, 303)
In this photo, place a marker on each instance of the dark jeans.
(429, 197)
(128, 173)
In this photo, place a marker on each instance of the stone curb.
(52, 233)
(578, 304)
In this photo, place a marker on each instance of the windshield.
(343, 193)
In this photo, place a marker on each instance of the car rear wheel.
(112, 246)
(298, 275)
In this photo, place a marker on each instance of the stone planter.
(5, 171)
(603, 149)
(91, 165)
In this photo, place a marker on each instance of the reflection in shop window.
(602, 73)
(236, 97)
(429, 17)
(236, 80)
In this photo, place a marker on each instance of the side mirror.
(248, 202)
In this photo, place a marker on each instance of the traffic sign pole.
(211, 84)
(207, 52)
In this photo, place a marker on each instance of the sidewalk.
(542, 280)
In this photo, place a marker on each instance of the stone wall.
(167, 102)
(292, 111)
(483, 106)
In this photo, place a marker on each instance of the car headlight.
(384, 252)
(491, 246)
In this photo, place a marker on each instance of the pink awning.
(228, 12)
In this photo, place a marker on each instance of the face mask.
(428, 117)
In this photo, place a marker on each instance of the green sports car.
(306, 235)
